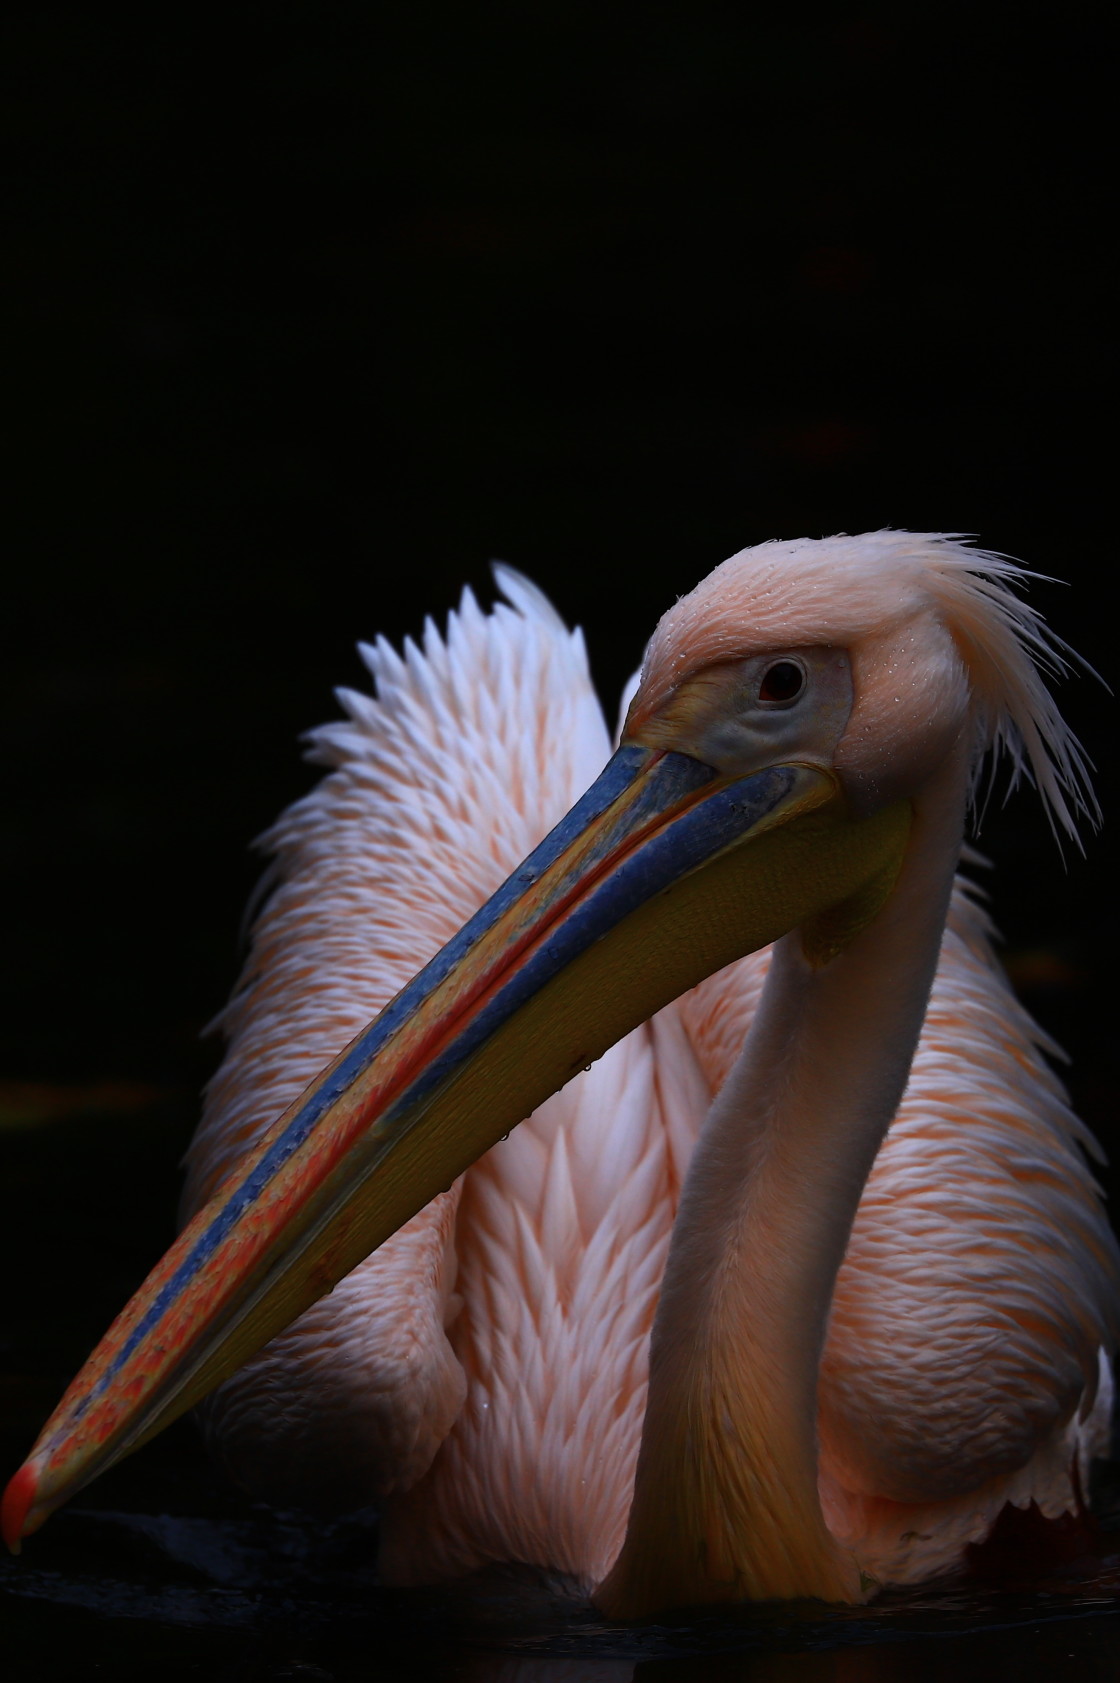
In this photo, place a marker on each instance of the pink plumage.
(484, 1374)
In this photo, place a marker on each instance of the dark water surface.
(264, 1597)
(159, 1570)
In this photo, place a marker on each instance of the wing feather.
(437, 785)
(977, 1302)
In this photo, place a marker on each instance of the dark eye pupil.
(781, 682)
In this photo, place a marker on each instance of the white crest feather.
(1008, 647)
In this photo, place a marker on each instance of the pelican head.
(935, 641)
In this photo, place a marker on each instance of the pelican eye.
(784, 681)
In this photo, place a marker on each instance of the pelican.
(797, 1275)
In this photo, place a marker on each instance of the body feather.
(484, 1373)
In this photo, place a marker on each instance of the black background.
(310, 310)
(315, 310)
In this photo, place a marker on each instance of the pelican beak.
(661, 874)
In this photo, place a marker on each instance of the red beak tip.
(18, 1499)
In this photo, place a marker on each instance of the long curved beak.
(661, 874)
